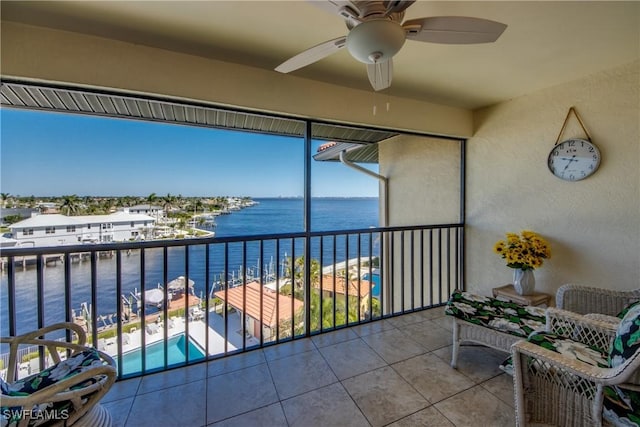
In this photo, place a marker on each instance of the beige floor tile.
(288, 348)
(432, 377)
(172, 378)
(351, 358)
(119, 410)
(384, 396)
(501, 387)
(235, 362)
(407, 319)
(334, 337)
(121, 389)
(475, 361)
(428, 334)
(238, 392)
(269, 416)
(434, 313)
(477, 407)
(324, 407)
(300, 373)
(393, 345)
(445, 322)
(427, 417)
(372, 328)
(181, 405)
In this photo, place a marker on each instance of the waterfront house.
(462, 136)
(151, 210)
(58, 229)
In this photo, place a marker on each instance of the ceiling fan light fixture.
(375, 41)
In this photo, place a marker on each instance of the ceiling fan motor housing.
(375, 41)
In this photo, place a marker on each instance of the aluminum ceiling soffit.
(36, 97)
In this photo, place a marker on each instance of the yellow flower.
(524, 251)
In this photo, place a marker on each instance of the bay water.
(268, 216)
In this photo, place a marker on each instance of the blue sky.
(52, 154)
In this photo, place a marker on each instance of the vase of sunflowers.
(523, 252)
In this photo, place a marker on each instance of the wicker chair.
(583, 299)
(66, 393)
(568, 388)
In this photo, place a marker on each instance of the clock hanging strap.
(575, 113)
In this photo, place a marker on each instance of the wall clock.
(574, 159)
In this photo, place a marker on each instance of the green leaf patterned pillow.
(627, 340)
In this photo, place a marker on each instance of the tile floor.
(393, 372)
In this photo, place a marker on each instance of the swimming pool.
(375, 290)
(154, 355)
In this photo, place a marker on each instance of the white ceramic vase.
(524, 282)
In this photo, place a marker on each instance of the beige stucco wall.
(593, 225)
(423, 178)
(59, 56)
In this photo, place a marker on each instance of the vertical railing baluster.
(457, 263)
(226, 297)
(412, 269)
(402, 268)
(346, 279)
(431, 266)
(119, 310)
(165, 309)
(371, 281)
(358, 254)
(142, 309)
(439, 265)
(261, 281)
(293, 284)
(11, 297)
(392, 290)
(421, 258)
(381, 264)
(243, 320)
(187, 337)
(40, 303)
(67, 296)
(277, 290)
(94, 298)
(207, 280)
(321, 285)
(335, 243)
(448, 262)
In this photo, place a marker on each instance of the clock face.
(574, 159)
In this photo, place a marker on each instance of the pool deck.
(197, 330)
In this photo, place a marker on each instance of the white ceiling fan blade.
(453, 30)
(344, 8)
(312, 55)
(380, 74)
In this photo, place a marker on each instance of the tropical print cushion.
(622, 406)
(559, 344)
(67, 368)
(626, 310)
(576, 350)
(504, 316)
(627, 339)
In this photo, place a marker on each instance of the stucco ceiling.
(545, 43)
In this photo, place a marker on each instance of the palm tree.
(4, 197)
(168, 202)
(70, 204)
(151, 198)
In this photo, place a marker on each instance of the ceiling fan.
(377, 33)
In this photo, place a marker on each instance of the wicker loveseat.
(65, 393)
(490, 321)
